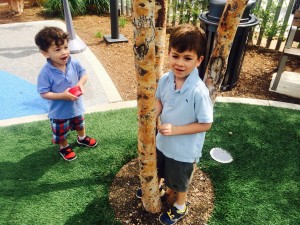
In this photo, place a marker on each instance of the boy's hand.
(76, 90)
(166, 129)
(81, 88)
(68, 96)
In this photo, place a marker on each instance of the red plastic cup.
(75, 91)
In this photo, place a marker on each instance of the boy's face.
(182, 64)
(58, 55)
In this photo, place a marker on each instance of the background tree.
(17, 6)
(174, 6)
(160, 36)
(264, 15)
(272, 30)
(225, 34)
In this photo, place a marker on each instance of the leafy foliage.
(98, 34)
(268, 24)
(122, 21)
(55, 7)
(97, 6)
(77, 7)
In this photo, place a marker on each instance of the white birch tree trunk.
(144, 51)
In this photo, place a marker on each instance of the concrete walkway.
(21, 61)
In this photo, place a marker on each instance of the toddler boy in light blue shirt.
(56, 78)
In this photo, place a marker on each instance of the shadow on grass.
(97, 212)
(29, 168)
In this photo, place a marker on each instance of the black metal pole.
(114, 19)
(115, 36)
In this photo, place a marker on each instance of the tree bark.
(160, 36)
(144, 51)
(17, 6)
(225, 34)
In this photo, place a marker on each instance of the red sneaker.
(87, 141)
(67, 153)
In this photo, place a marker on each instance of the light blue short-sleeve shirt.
(51, 79)
(190, 104)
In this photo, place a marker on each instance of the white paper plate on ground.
(221, 155)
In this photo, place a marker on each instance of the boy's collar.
(190, 80)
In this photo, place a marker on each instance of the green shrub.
(97, 6)
(98, 34)
(55, 7)
(122, 21)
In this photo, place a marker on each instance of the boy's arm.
(66, 95)
(193, 128)
(82, 82)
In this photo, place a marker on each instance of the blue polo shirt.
(190, 104)
(54, 80)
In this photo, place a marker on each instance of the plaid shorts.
(61, 127)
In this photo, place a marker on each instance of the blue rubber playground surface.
(19, 98)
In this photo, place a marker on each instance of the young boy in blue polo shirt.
(186, 113)
(58, 75)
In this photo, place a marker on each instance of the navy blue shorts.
(177, 175)
(61, 127)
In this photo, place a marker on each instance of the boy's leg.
(64, 143)
(181, 199)
(81, 133)
(77, 123)
(60, 129)
(177, 177)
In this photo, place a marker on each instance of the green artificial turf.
(260, 186)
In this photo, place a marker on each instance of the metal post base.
(109, 39)
(76, 46)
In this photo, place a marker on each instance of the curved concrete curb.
(254, 101)
(109, 88)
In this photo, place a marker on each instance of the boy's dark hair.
(45, 37)
(187, 37)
